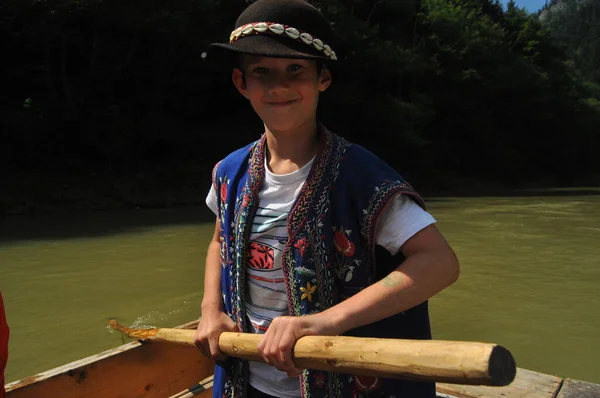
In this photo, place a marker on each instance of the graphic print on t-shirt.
(261, 256)
(266, 298)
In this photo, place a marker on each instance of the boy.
(301, 216)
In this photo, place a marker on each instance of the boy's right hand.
(211, 325)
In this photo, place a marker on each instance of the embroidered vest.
(330, 255)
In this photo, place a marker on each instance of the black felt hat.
(282, 29)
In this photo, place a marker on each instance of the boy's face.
(283, 92)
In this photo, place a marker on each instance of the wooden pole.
(457, 362)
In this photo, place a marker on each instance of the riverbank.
(50, 192)
(41, 193)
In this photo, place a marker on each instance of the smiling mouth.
(281, 103)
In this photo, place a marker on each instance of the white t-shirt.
(266, 293)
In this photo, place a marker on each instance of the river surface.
(530, 279)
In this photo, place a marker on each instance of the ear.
(237, 76)
(324, 79)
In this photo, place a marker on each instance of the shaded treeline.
(576, 24)
(472, 90)
(449, 92)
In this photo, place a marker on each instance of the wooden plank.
(579, 389)
(132, 370)
(527, 384)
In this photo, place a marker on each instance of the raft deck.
(527, 384)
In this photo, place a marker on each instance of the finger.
(265, 344)
(271, 351)
(215, 352)
(200, 342)
(262, 343)
(275, 353)
(203, 349)
(198, 335)
(269, 343)
(286, 345)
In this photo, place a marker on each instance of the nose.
(278, 83)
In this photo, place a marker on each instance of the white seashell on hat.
(318, 44)
(293, 33)
(306, 38)
(277, 28)
(261, 27)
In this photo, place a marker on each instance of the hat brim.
(272, 46)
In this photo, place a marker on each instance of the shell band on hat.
(273, 28)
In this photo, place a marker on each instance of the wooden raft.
(133, 370)
(137, 370)
(528, 384)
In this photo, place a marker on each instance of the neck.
(287, 151)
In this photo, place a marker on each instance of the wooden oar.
(456, 362)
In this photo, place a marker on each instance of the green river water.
(530, 279)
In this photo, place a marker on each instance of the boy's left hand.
(277, 343)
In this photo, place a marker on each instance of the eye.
(260, 70)
(295, 67)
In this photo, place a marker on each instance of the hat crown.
(296, 13)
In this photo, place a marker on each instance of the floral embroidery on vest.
(345, 249)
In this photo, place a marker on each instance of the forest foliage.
(447, 91)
